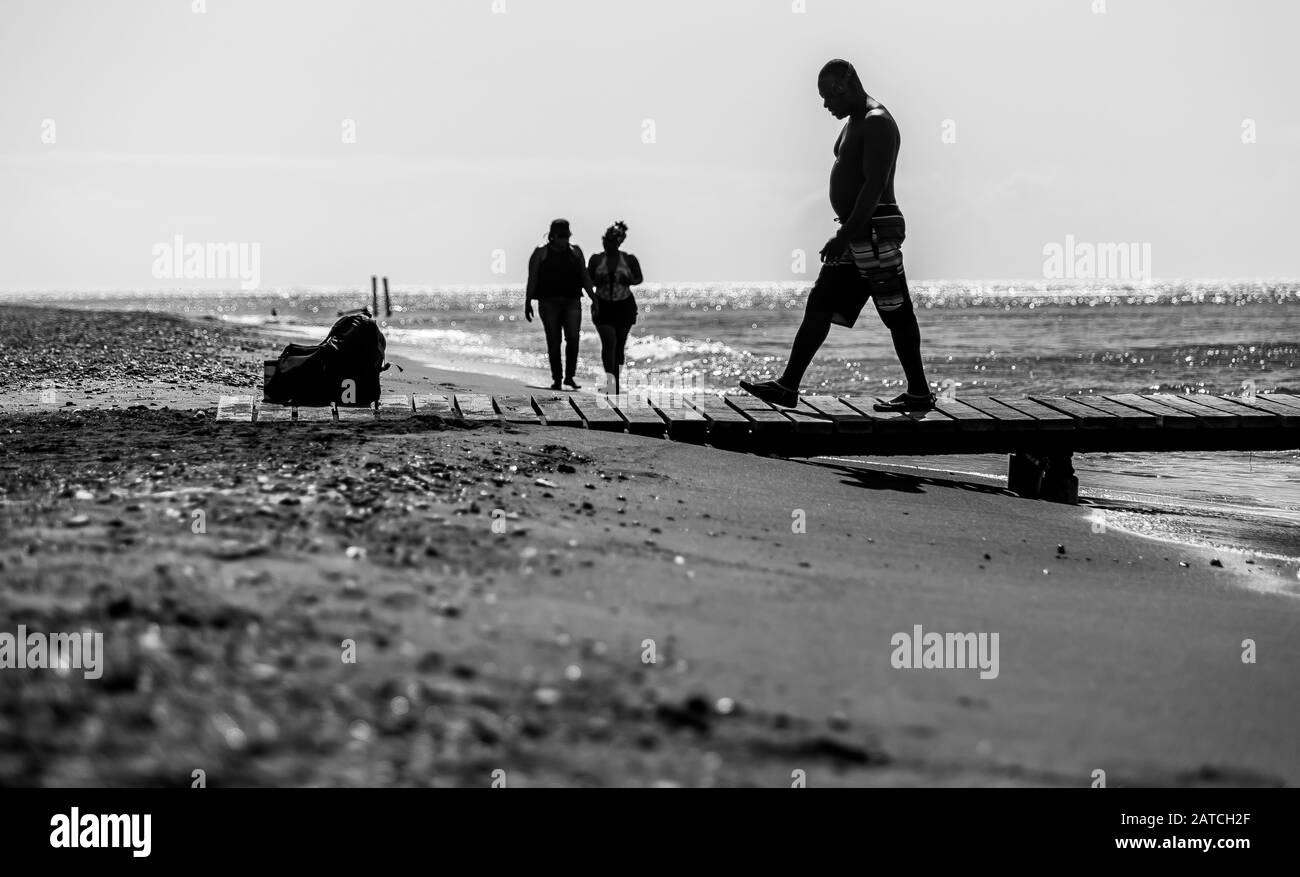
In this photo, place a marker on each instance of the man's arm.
(879, 147)
(587, 285)
(531, 288)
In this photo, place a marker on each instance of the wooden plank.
(677, 404)
(998, 410)
(897, 421)
(1166, 416)
(1248, 418)
(1084, 416)
(1207, 418)
(969, 419)
(597, 415)
(807, 422)
(395, 407)
(767, 419)
(268, 413)
(1046, 418)
(475, 406)
(641, 417)
(1288, 399)
(356, 413)
(1286, 417)
(314, 413)
(1006, 419)
(1129, 418)
(721, 416)
(557, 411)
(516, 409)
(432, 404)
(845, 418)
(237, 408)
(685, 424)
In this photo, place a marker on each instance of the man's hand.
(834, 248)
(528, 310)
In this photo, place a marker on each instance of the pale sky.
(475, 128)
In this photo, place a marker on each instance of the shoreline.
(523, 647)
(1129, 512)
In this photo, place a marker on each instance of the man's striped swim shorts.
(863, 271)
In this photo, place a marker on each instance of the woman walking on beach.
(613, 307)
(557, 277)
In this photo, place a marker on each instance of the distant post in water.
(388, 304)
(374, 295)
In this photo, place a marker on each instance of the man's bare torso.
(847, 174)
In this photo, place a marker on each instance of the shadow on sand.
(877, 479)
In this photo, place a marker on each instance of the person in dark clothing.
(557, 277)
(613, 307)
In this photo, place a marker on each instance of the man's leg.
(901, 322)
(784, 391)
(572, 323)
(838, 289)
(882, 267)
(550, 315)
(808, 340)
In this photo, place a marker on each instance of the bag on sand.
(344, 368)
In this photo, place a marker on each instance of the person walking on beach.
(557, 277)
(613, 307)
(863, 260)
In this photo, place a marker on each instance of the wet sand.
(524, 647)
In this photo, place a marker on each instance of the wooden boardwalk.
(1039, 432)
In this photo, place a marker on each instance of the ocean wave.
(658, 348)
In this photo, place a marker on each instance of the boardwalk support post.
(1024, 475)
(1048, 476)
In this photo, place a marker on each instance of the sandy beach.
(526, 647)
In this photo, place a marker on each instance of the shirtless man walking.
(864, 259)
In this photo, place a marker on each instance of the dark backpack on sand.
(344, 368)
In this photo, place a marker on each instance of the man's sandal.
(906, 402)
(772, 392)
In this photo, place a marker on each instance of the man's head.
(559, 233)
(840, 88)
